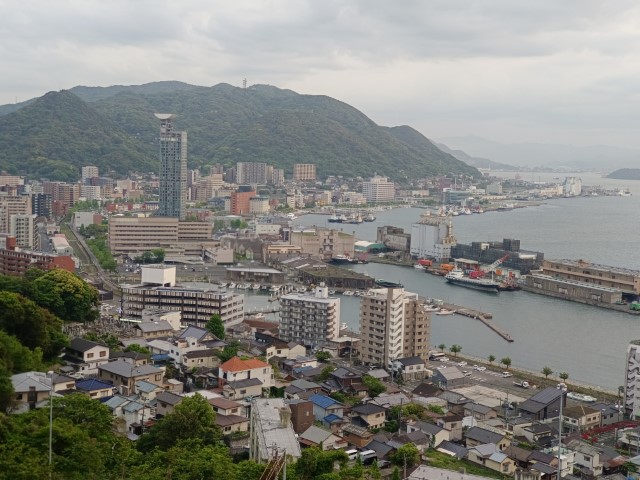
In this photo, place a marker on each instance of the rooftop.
(236, 364)
(269, 430)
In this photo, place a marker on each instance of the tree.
(396, 474)
(492, 358)
(563, 375)
(325, 373)
(6, 389)
(192, 419)
(506, 361)
(455, 349)
(408, 453)
(66, 295)
(323, 357)
(374, 386)
(216, 326)
(442, 346)
(230, 350)
(134, 347)
(546, 371)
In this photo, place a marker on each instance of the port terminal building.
(488, 252)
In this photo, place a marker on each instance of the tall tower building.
(393, 325)
(632, 387)
(173, 168)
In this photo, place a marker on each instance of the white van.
(352, 454)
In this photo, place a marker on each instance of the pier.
(484, 317)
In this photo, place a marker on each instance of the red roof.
(236, 364)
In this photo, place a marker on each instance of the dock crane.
(482, 272)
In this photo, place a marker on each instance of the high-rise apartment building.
(632, 386)
(379, 189)
(173, 168)
(41, 204)
(310, 319)
(88, 172)
(13, 205)
(393, 325)
(304, 172)
(253, 173)
(23, 227)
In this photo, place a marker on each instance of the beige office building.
(304, 172)
(393, 325)
(13, 205)
(323, 243)
(139, 234)
(379, 189)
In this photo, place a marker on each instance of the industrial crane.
(482, 272)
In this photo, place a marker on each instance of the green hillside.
(53, 136)
(226, 125)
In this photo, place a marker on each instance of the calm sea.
(586, 342)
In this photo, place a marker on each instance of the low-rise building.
(369, 416)
(124, 375)
(86, 356)
(94, 388)
(490, 456)
(271, 430)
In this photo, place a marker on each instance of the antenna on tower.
(244, 83)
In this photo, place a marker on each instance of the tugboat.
(370, 218)
(457, 277)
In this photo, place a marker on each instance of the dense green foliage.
(216, 326)
(152, 256)
(53, 136)
(374, 386)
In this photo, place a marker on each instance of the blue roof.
(90, 384)
(332, 418)
(323, 401)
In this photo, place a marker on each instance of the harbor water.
(588, 343)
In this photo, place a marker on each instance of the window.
(89, 355)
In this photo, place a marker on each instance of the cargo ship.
(457, 277)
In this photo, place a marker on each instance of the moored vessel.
(457, 277)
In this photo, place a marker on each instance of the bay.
(586, 342)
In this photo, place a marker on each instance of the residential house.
(358, 436)
(157, 329)
(147, 391)
(609, 414)
(222, 406)
(94, 388)
(348, 380)
(379, 374)
(368, 416)
(124, 375)
(479, 412)
(448, 378)
(31, 390)
(86, 356)
(130, 413)
(290, 365)
(452, 423)
(452, 449)
(388, 400)
(595, 460)
(232, 423)
(323, 406)
(166, 403)
(455, 401)
(135, 358)
(301, 414)
(319, 437)
(544, 404)
(427, 390)
(535, 432)
(435, 433)
(580, 418)
(241, 389)
(205, 358)
(480, 436)
(411, 369)
(301, 385)
(421, 440)
(490, 456)
(425, 472)
(382, 448)
(236, 369)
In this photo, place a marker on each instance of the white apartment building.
(572, 186)
(13, 205)
(312, 319)
(90, 192)
(259, 205)
(393, 325)
(196, 302)
(23, 227)
(378, 189)
(88, 172)
(432, 237)
(632, 387)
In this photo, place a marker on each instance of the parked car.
(481, 369)
(506, 374)
(463, 364)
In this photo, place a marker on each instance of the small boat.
(332, 292)
(223, 285)
(274, 289)
(431, 308)
(302, 289)
(581, 397)
(232, 285)
(369, 218)
(417, 266)
(255, 286)
(344, 326)
(444, 311)
(348, 293)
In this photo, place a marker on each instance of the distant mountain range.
(560, 157)
(114, 129)
(626, 174)
(477, 162)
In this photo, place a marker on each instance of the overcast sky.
(552, 71)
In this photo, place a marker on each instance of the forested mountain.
(114, 128)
